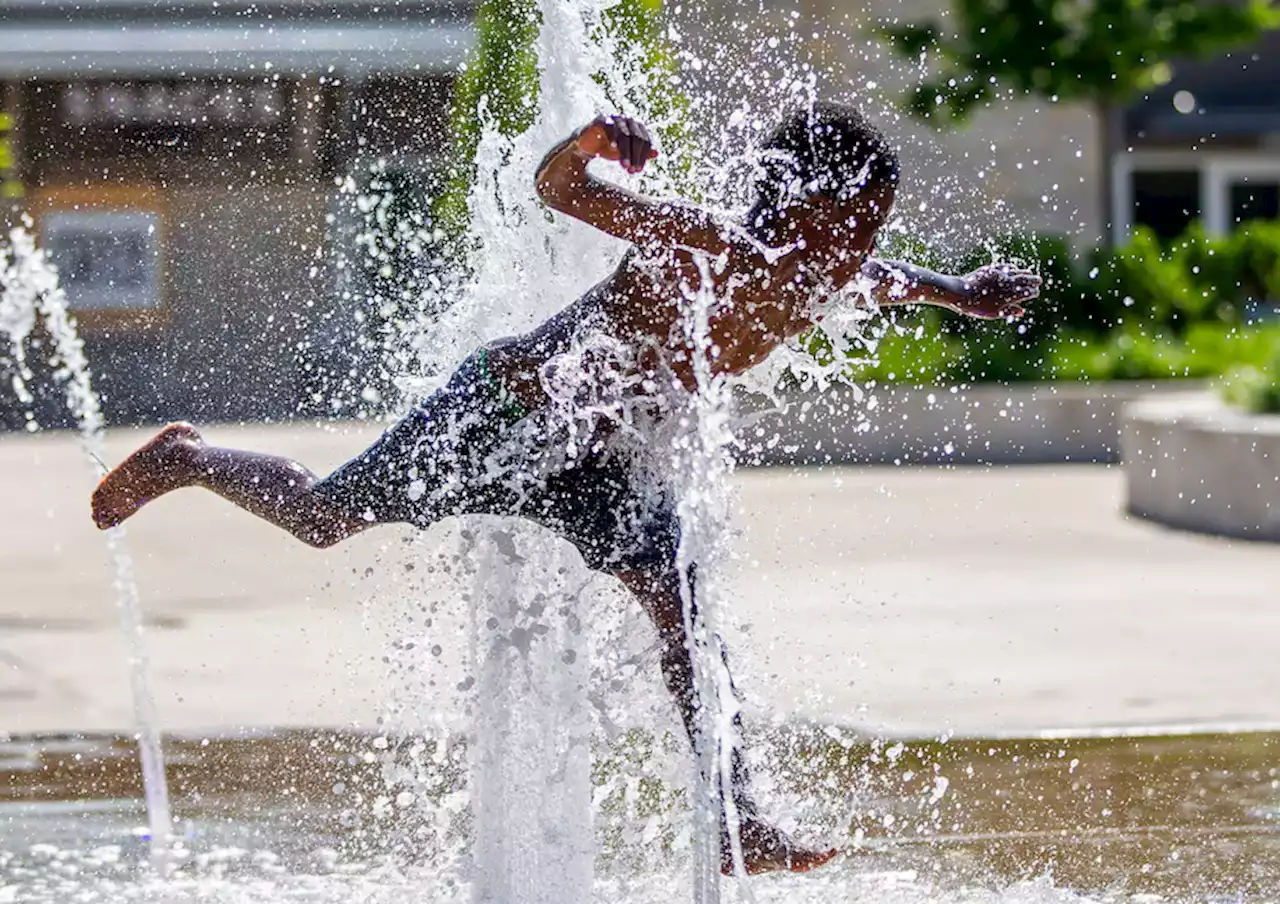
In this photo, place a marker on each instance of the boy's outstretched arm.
(565, 185)
(990, 292)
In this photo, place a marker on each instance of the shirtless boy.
(827, 188)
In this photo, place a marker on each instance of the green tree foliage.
(499, 84)
(1098, 51)
(647, 81)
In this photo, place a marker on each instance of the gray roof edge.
(65, 9)
(242, 13)
(174, 51)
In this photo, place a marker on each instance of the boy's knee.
(320, 524)
(320, 537)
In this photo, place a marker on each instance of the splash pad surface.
(296, 816)
(1188, 818)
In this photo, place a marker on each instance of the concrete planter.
(1191, 462)
(1051, 422)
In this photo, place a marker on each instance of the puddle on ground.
(1189, 818)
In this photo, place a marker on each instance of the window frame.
(1216, 171)
(122, 198)
(56, 222)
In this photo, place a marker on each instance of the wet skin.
(769, 281)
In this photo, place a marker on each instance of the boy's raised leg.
(764, 847)
(276, 489)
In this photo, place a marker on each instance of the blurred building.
(180, 160)
(1205, 146)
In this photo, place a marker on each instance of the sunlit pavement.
(912, 601)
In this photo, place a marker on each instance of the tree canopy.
(499, 83)
(1097, 51)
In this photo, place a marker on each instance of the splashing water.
(527, 705)
(522, 268)
(526, 650)
(29, 293)
(534, 842)
(529, 694)
(700, 455)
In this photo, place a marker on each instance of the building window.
(1166, 201)
(1169, 190)
(1253, 199)
(107, 260)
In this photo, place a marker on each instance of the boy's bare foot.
(165, 463)
(766, 849)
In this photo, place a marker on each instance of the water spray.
(30, 293)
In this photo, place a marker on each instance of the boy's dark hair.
(829, 149)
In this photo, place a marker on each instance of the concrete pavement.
(910, 601)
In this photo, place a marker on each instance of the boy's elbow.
(545, 193)
(552, 194)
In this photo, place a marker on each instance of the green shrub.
(1207, 350)
(1142, 311)
(1192, 280)
(915, 350)
(1255, 387)
(1257, 248)
(1237, 269)
(930, 351)
(1123, 355)
(931, 348)
(1146, 284)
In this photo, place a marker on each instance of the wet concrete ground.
(909, 601)
(1182, 818)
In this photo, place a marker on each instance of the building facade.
(1205, 146)
(180, 163)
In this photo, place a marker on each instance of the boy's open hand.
(996, 291)
(619, 138)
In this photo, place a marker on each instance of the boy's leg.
(276, 489)
(764, 848)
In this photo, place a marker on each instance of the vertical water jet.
(30, 293)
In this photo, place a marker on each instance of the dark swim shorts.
(459, 453)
